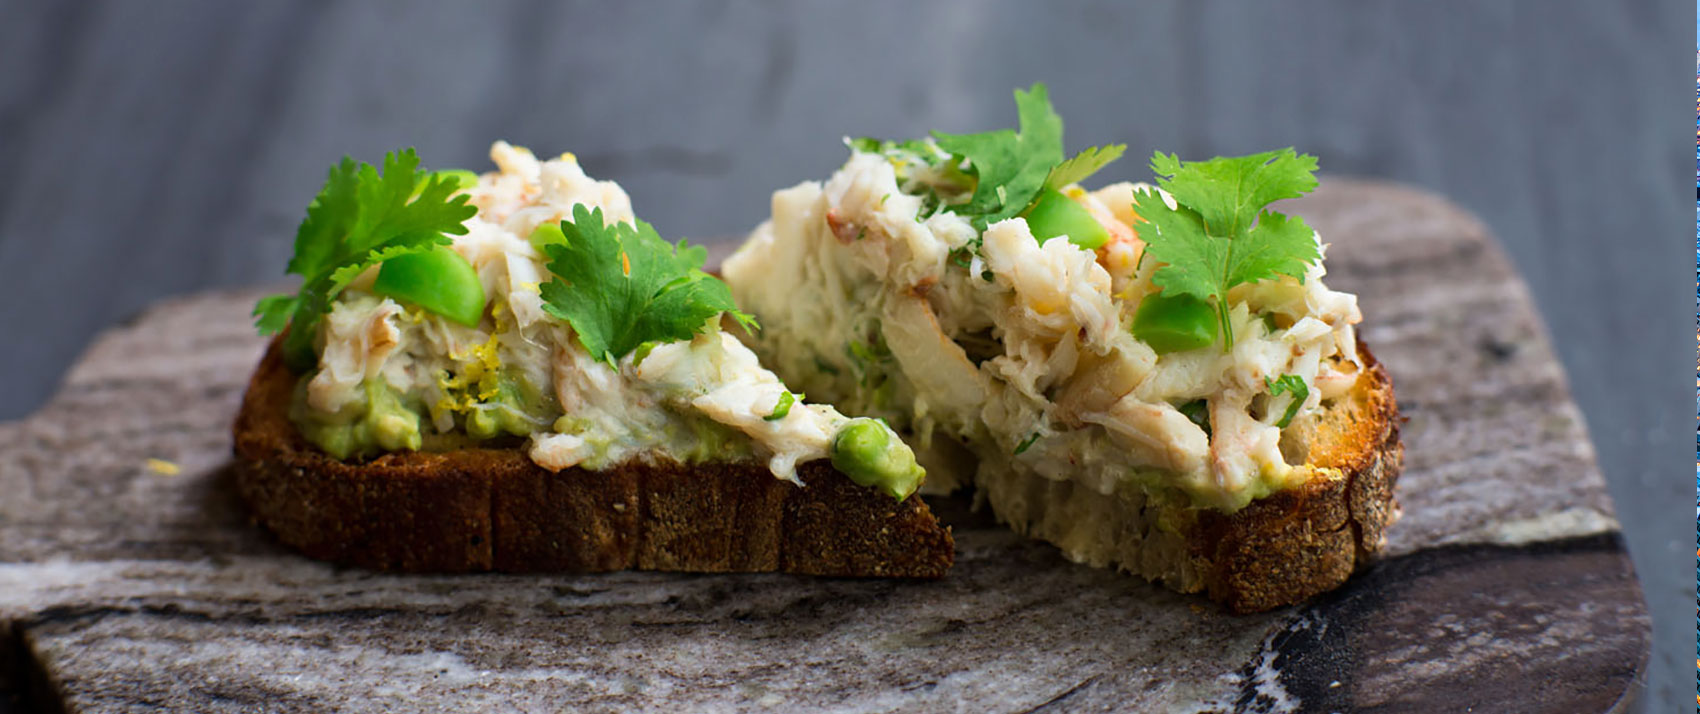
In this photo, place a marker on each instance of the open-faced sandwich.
(1150, 377)
(510, 372)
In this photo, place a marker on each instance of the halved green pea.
(1054, 214)
(866, 451)
(1174, 324)
(547, 234)
(460, 179)
(438, 280)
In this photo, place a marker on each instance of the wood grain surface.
(1505, 585)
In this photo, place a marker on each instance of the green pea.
(871, 455)
(1054, 214)
(547, 234)
(460, 179)
(438, 280)
(1174, 324)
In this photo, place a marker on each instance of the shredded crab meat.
(1047, 363)
(358, 336)
(633, 409)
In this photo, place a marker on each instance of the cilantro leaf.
(921, 169)
(910, 149)
(360, 217)
(994, 175)
(1026, 443)
(620, 286)
(1230, 192)
(783, 406)
(1277, 244)
(1290, 384)
(1083, 164)
(1220, 234)
(272, 312)
(1011, 167)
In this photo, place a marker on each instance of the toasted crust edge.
(495, 510)
(1304, 541)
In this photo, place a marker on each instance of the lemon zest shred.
(479, 377)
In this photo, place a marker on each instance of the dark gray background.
(157, 148)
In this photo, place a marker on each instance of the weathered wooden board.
(1505, 587)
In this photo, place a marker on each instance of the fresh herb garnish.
(1221, 235)
(861, 352)
(913, 149)
(622, 285)
(1289, 384)
(962, 257)
(1026, 443)
(1009, 167)
(921, 169)
(783, 406)
(1003, 171)
(1197, 411)
(930, 203)
(360, 218)
(867, 358)
(1083, 164)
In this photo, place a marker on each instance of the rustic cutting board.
(1504, 588)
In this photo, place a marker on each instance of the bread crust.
(490, 509)
(1299, 542)
(1278, 550)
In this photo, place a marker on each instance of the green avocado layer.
(386, 419)
(382, 421)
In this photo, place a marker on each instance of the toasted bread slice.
(1276, 551)
(493, 509)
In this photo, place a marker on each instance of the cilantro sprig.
(1221, 233)
(1290, 384)
(1083, 164)
(361, 217)
(1026, 443)
(922, 169)
(1010, 167)
(1006, 169)
(622, 285)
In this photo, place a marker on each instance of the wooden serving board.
(1504, 588)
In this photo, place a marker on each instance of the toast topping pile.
(1175, 338)
(446, 309)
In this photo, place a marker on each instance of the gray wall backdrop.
(156, 148)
